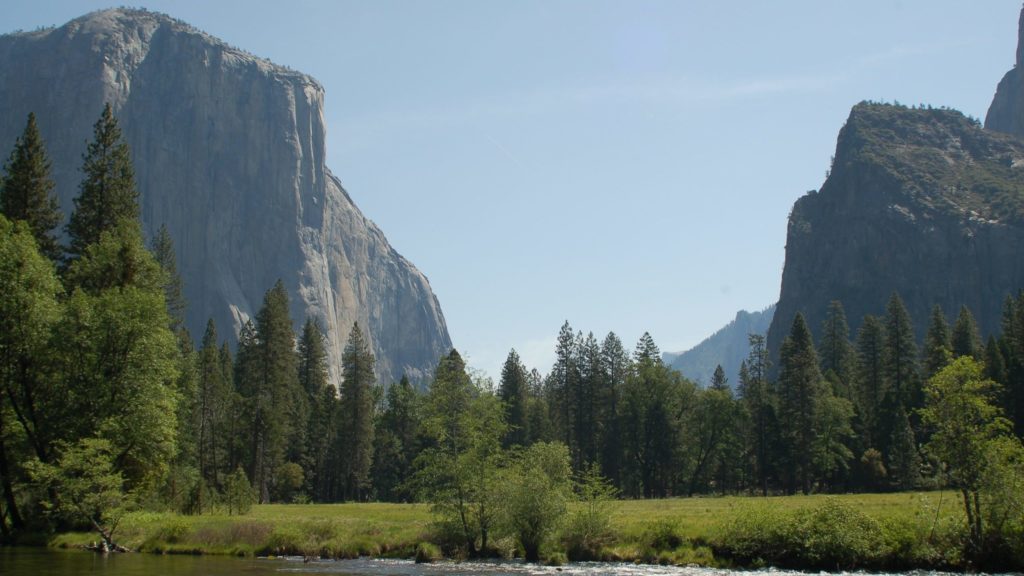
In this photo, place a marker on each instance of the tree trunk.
(12, 506)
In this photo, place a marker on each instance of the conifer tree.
(513, 393)
(615, 366)
(901, 357)
(213, 410)
(937, 346)
(871, 385)
(321, 399)
(718, 379)
(800, 391)
(163, 251)
(965, 339)
(397, 442)
(26, 190)
(268, 380)
(588, 387)
(107, 193)
(356, 414)
(758, 400)
(836, 352)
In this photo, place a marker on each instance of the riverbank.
(876, 531)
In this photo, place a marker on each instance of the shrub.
(427, 552)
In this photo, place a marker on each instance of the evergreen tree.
(356, 414)
(937, 345)
(904, 462)
(718, 379)
(615, 367)
(107, 194)
(995, 365)
(563, 382)
(836, 352)
(26, 190)
(589, 385)
(267, 378)
(901, 367)
(213, 410)
(321, 399)
(800, 390)
(656, 400)
(397, 442)
(965, 340)
(163, 251)
(871, 385)
(757, 399)
(513, 393)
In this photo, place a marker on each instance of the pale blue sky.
(626, 166)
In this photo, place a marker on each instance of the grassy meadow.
(672, 531)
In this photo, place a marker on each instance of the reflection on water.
(43, 562)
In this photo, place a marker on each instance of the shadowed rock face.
(1006, 113)
(922, 202)
(229, 154)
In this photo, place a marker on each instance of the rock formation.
(229, 154)
(923, 202)
(1006, 113)
(728, 347)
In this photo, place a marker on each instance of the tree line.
(105, 396)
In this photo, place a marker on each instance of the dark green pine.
(107, 192)
(26, 190)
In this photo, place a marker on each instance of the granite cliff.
(229, 153)
(923, 202)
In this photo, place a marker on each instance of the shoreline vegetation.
(894, 531)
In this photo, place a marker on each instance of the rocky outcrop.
(1006, 113)
(229, 154)
(728, 347)
(923, 202)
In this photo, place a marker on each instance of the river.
(48, 562)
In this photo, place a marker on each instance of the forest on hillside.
(107, 403)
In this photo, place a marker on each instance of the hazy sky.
(626, 166)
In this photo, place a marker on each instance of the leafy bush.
(832, 536)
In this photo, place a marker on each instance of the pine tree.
(904, 462)
(937, 346)
(107, 193)
(965, 339)
(321, 399)
(800, 390)
(163, 251)
(757, 398)
(356, 414)
(267, 378)
(563, 381)
(26, 190)
(397, 442)
(871, 386)
(589, 385)
(836, 352)
(901, 356)
(718, 379)
(615, 366)
(213, 410)
(513, 393)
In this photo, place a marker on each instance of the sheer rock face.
(229, 154)
(1006, 113)
(921, 202)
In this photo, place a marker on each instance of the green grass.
(673, 531)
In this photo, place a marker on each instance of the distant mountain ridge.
(728, 346)
(229, 154)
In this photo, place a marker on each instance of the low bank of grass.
(907, 530)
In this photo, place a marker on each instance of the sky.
(625, 166)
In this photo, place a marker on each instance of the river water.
(46, 562)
